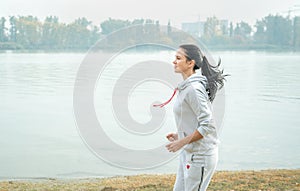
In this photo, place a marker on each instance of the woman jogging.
(196, 131)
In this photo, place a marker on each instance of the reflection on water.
(38, 135)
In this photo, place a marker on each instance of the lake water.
(39, 137)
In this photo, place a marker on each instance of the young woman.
(196, 134)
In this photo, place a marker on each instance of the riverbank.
(11, 47)
(222, 180)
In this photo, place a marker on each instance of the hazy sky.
(163, 10)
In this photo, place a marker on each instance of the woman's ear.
(191, 63)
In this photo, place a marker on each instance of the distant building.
(224, 26)
(193, 28)
(197, 28)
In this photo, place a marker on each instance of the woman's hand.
(175, 145)
(172, 137)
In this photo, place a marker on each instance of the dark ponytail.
(214, 75)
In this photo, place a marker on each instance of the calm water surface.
(39, 138)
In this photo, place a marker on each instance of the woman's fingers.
(171, 137)
(169, 147)
(174, 146)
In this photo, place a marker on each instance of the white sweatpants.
(195, 171)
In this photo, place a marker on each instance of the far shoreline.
(209, 48)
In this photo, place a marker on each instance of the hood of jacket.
(194, 79)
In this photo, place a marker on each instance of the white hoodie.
(192, 110)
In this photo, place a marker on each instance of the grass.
(266, 180)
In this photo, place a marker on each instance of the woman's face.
(181, 65)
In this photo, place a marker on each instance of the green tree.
(28, 31)
(12, 30)
(51, 33)
(169, 28)
(296, 32)
(138, 22)
(139, 29)
(78, 34)
(231, 30)
(245, 29)
(210, 27)
(224, 30)
(260, 34)
(278, 30)
(3, 36)
(242, 33)
(112, 25)
(150, 30)
(94, 35)
(237, 30)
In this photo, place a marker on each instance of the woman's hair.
(214, 75)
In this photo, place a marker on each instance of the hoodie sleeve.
(198, 100)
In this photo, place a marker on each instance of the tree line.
(272, 31)
(28, 32)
